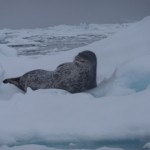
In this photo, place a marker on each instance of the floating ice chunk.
(40, 147)
(147, 146)
(108, 148)
(27, 147)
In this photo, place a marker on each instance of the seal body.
(74, 77)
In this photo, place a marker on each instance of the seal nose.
(77, 57)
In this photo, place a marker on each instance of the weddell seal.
(74, 77)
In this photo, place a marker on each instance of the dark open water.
(55, 44)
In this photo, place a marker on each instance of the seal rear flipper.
(5, 81)
(14, 81)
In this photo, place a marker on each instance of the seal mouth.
(79, 59)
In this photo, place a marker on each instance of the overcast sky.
(44, 13)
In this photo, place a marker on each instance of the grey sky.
(44, 13)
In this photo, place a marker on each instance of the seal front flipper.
(14, 81)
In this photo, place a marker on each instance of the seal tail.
(14, 81)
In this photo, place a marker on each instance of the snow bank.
(119, 111)
(49, 116)
(127, 52)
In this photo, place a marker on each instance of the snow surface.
(118, 109)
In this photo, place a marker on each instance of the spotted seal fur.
(74, 77)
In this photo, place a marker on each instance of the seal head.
(88, 60)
